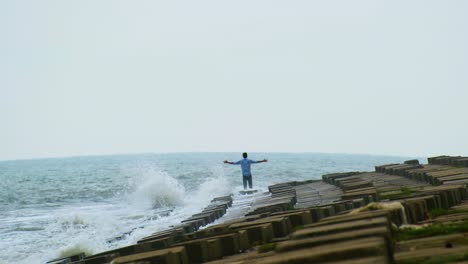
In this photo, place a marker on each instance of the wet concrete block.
(353, 183)
(452, 179)
(203, 233)
(73, 258)
(349, 205)
(431, 255)
(362, 193)
(215, 250)
(217, 212)
(98, 259)
(164, 256)
(165, 234)
(433, 160)
(357, 203)
(196, 250)
(276, 206)
(188, 228)
(153, 245)
(223, 199)
(322, 229)
(122, 251)
(259, 234)
(350, 217)
(281, 225)
(381, 168)
(433, 176)
(244, 192)
(389, 169)
(450, 194)
(332, 253)
(199, 221)
(195, 223)
(462, 162)
(338, 207)
(208, 217)
(416, 210)
(229, 244)
(412, 162)
(244, 242)
(439, 160)
(309, 242)
(316, 214)
(327, 211)
(278, 187)
(219, 228)
(297, 218)
(455, 240)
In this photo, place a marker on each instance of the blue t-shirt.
(245, 166)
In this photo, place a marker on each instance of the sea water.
(51, 208)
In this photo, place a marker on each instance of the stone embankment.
(399, 213)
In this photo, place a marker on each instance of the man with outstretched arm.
(245, 166)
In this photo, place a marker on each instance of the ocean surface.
(54, 207)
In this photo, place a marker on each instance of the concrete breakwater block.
(392, 213)
(330, 178)
(335, 231)
(259, 234)
(416, 209)
(349, 184)
(440, 160)
(314, 241)
(215, 210)
(202, 250)
(275, 205)
(462, 162)
(281, 225)
(412, 162)
(401, 169)
(332, 253)
(328, 228)
(454, 179)
(458, 161)
(450, 195)
(247, 192)
(368, 194)
(97, 259)
(454, 240)
(420, 173)
(69, 259)
(438, 254)
(296, 218)
(432, 177)
(164, 256)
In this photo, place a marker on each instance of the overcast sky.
(104, 77)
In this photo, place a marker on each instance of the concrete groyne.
(399, 213)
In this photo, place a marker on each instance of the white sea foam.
(157, 189)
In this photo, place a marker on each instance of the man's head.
(244, 155)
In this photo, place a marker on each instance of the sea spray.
(212, 186)
(157, 189)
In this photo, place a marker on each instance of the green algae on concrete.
(403, 234)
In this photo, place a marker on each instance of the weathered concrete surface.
(358, 248)
(165, 256)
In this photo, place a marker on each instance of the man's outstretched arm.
(229, 162)
(260, 161)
